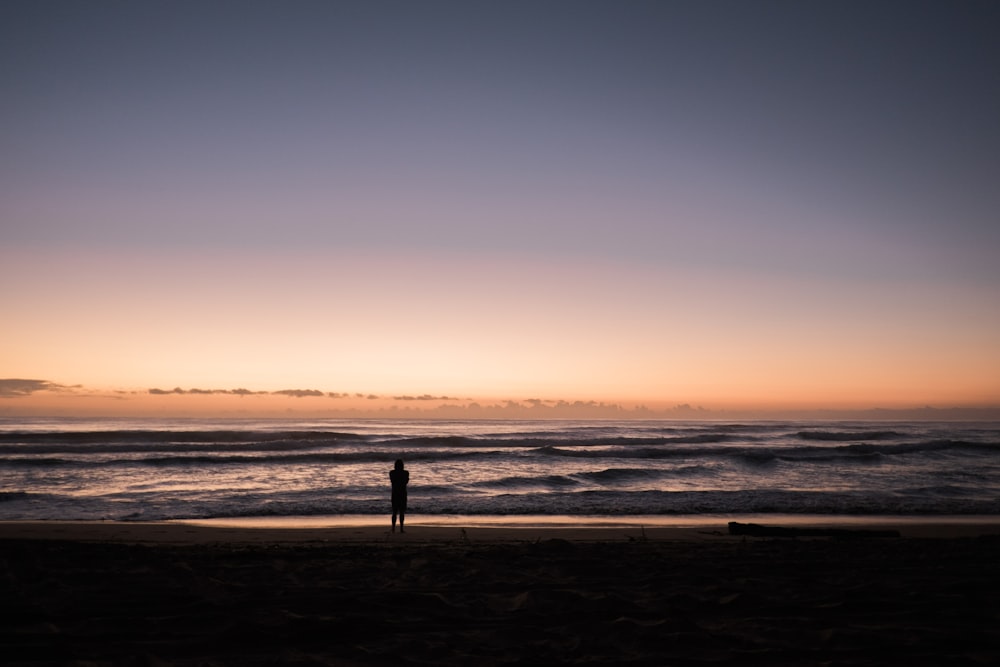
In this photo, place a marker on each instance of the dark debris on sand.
(808, 602)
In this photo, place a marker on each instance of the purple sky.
(842, 150)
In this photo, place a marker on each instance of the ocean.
(148, 470)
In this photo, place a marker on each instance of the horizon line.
(47, 398)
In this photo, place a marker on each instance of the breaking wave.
(284, 467)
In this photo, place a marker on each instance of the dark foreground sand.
(151, 594)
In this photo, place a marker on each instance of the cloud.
(13, 387)
(425, 397)
(299, 393)
(205, 392)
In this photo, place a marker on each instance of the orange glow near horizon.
(83, 402)
(478, 330)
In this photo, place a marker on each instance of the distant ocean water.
(194, 469)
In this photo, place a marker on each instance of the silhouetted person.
(399, 478)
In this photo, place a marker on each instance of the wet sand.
(174, 593)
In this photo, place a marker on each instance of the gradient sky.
(722, 203)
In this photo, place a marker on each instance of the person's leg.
(394, 519)
(402, 518)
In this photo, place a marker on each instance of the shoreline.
(368, 528)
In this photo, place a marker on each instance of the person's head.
(399, 464)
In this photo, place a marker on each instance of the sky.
(729, 205)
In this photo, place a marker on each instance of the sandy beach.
(187, 594)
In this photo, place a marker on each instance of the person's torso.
(399, 479)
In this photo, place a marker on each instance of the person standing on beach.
(399, 478)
